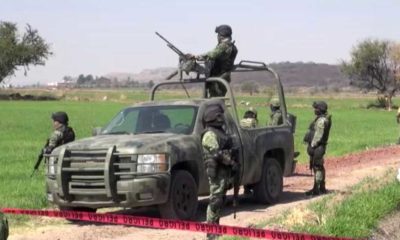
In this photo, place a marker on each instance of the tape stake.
(158, 223)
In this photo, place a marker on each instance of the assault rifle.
(236, 178)
(40, 158)
(187, 62)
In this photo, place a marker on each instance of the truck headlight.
(151, 163)
(52, 166)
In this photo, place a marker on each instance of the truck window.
(153, 119)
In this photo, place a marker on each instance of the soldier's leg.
(216, 201)
(3, 227)
(319, 170)
(323, 188)
(218, 186)
(310, 152)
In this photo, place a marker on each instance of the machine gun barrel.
(172, 46)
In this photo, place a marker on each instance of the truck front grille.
(93, 174)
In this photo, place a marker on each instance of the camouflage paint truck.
(150, 154)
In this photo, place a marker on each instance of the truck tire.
(270, 186)
(78, 209)
(182, 201)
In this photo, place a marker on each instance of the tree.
(20, 50)
(81, 79)
(68, 79)
(249, 87)
(373, 65)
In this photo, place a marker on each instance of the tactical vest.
(325, 135)
(68, 136)
(224, 63)
(248, 123)
(277, 113)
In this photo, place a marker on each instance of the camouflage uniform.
(317, 139)
(276, 114)
(276, 118)
(3, 227)
(218, 182)
(218, 162)
(222, 58)
(249, 119)
(56, 137)
(62, 134)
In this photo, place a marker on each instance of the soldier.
(218, 161)
(249, 119)
(221, 60)
(276, 114)
(317, 139)
(62, 132)
(3, 227)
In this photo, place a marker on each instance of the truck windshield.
(153, 119)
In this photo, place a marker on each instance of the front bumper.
(139, 192)
(99, 178)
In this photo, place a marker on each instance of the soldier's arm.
(319, 131)
(216, 52)
(210, 143)
(53, 140)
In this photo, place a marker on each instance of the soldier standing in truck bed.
(220, 60)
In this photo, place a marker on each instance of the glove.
(47, 150)
(190, 56)
(200, 57)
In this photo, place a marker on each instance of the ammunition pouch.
(211, 167)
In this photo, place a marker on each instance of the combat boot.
(211, 236)
(314, 191)
(323, 189)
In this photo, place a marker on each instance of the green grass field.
(370, 200)
(26, 125)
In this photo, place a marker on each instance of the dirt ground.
(342, 172)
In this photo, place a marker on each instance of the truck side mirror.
(96, 131)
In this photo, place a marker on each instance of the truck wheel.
(78, 209)
(270, 186)
(182, 200)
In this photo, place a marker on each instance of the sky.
(99, 37)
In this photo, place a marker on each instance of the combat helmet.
(321, 106)
(214, 115)
(61, 117)
(250, 113)
(224, 30)
(275, 102)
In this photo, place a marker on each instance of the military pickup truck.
(150, 154)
